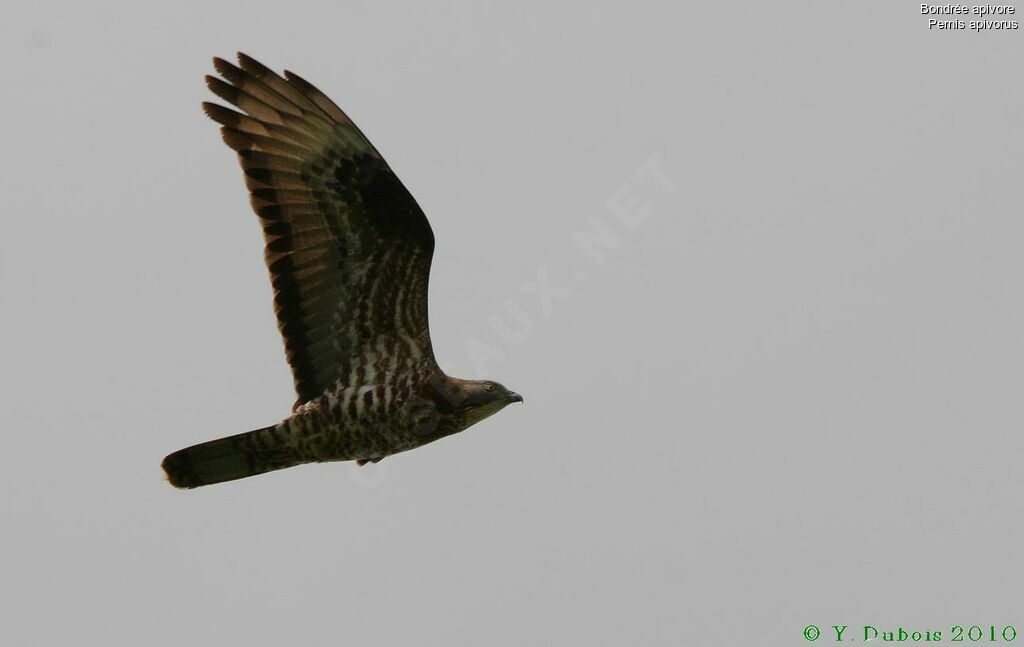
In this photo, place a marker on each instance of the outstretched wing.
(347, 246)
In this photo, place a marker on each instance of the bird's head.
(484, 398)
(481, 393)
(470, 401)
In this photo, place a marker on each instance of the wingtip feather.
(321, 100)
(222, 66)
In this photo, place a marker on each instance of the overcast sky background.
(790, 395)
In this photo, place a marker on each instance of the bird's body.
(349, 255)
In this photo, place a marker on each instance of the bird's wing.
(347, 246)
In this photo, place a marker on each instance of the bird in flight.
(349, 252)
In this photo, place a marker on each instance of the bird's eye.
(489, 387)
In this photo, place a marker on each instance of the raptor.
(349, 254)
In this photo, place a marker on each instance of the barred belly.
(351, 423)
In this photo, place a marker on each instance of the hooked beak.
(514, 397)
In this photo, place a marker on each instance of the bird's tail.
(227, 459)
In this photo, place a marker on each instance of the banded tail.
(227, 459)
